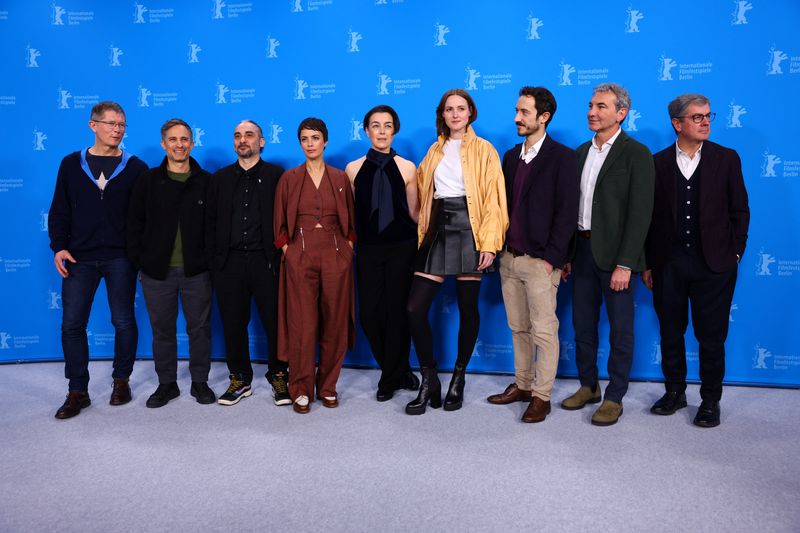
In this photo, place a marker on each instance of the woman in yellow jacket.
(462, 224)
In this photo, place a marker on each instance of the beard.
(245, 152)
(527, 130)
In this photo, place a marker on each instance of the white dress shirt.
(591, 168)
(533, 151)
(687, 163)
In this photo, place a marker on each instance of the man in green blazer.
(616, 203)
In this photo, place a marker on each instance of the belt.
(585, 233)
(514, 252)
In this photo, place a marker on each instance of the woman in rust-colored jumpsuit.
(314, 226)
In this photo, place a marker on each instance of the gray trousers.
(161, 298)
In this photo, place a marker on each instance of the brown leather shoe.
(510, 395)
(299, 407)
(73, 404)
(330, 404)
(121, 392)
(537, 411)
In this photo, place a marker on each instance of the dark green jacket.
(622, 205)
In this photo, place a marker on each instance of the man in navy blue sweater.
(86, 225)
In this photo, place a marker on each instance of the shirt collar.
(533, 150)
(686, 155)
(249, 172)
(608, 143)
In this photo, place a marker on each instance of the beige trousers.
(529, 294)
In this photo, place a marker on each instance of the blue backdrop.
(214, 63)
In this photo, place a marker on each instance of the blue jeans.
(77, 295)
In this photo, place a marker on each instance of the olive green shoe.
(607, 414)
(583, 396)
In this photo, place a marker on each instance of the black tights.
(423, 291)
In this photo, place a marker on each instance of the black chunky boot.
(455, 394)
(429, 390)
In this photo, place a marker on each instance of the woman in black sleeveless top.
(385, 189)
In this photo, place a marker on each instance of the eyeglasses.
(112, 125)
(698, 118)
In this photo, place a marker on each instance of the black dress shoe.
(669, 403)
(707, 415)
(202, 392)
(163, 394)
(384, 395)
(75, 401)
(410, 381)
(120, 392)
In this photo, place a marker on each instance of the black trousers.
(683, 280)
(245, 276)
(591, 287)
(384, 273)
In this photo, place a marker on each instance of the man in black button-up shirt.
(244, 260)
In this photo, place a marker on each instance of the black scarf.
(381, 188)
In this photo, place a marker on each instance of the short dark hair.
(315, 124)
(383, 109)
(171, 123)
(441, 126)
(101, 107)
(677, 107)
(543, 99)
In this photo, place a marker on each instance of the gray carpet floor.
(369, 467)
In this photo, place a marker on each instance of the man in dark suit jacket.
(697, 237)
(616, 203)
(542, 188)
(244, 261)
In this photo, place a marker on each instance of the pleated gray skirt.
(449, 246)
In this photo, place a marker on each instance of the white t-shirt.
(448, 178)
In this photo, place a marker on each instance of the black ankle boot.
(429, 390)
(455, 394)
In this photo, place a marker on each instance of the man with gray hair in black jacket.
(166, 241)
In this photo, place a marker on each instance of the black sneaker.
(163, 394)
(202, 392)
(237, 390)
(280, 390)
